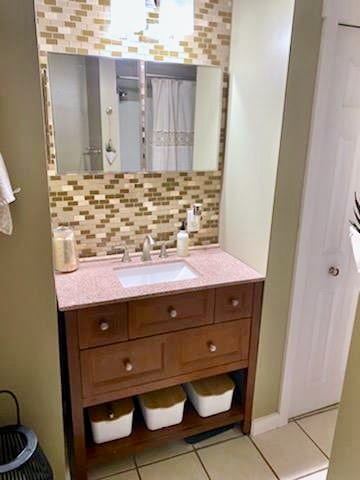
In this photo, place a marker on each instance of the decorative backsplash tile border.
(107, 210)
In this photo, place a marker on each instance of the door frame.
(335, 12)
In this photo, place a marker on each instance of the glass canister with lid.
(64, 249)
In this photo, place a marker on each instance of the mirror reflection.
(126, 115)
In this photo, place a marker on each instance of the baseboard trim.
(264, 424)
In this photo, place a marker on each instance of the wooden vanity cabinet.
(124, 349)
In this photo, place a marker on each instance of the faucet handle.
(163, 252)
(126, 257)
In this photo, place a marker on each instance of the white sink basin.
(151, 274)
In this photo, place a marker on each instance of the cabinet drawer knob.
(235, 302)
(128, 366)
(212, 347)
(104, 326)
(172, 312)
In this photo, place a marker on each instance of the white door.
(326, 283)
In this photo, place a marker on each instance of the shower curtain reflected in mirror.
(171, 119)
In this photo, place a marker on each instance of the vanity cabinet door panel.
(111, 368)
(170, 313)
(102, 325)
(212, 346)
(234, 302)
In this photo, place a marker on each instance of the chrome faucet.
(149, 242)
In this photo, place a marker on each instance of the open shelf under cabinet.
(142, 438)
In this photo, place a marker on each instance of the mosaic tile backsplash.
(107, 210)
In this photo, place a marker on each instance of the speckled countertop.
(96, 282)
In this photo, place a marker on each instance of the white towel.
(6, 197)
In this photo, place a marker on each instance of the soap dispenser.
(194, 218)
(182, 242)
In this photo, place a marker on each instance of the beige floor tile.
(167, 451)
(111, 468)
(237, 459)
(185, 467)
(125, 476)
(290, 452)
(228, 435)
(321, 428)
(317, 476)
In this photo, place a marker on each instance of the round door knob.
(173, 313)
(334, 271)
(104, 326)
(212, 347)
(235, 302)
(128, 366)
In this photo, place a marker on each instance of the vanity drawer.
(102, 325)
(233, 303)
(212, 346)
(170, 313)
(111, 368)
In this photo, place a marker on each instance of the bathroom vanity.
(124, 341)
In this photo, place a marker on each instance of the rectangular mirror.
(125, 115)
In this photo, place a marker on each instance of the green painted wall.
(259, 58)
(304, 55)
(29, 357)
(262, 189)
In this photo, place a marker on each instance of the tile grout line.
(202, 463)
(330, 408)
(313, 441)
(194, 449)
(162, 459)
(109, 477)
(171, 458)
(136, 467)
(219, 443)
(264, 458)
(311, 474)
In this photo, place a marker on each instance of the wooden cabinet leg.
(254, 343)
(78, 454)
(78, 457)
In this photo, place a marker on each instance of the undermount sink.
(151, 274)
